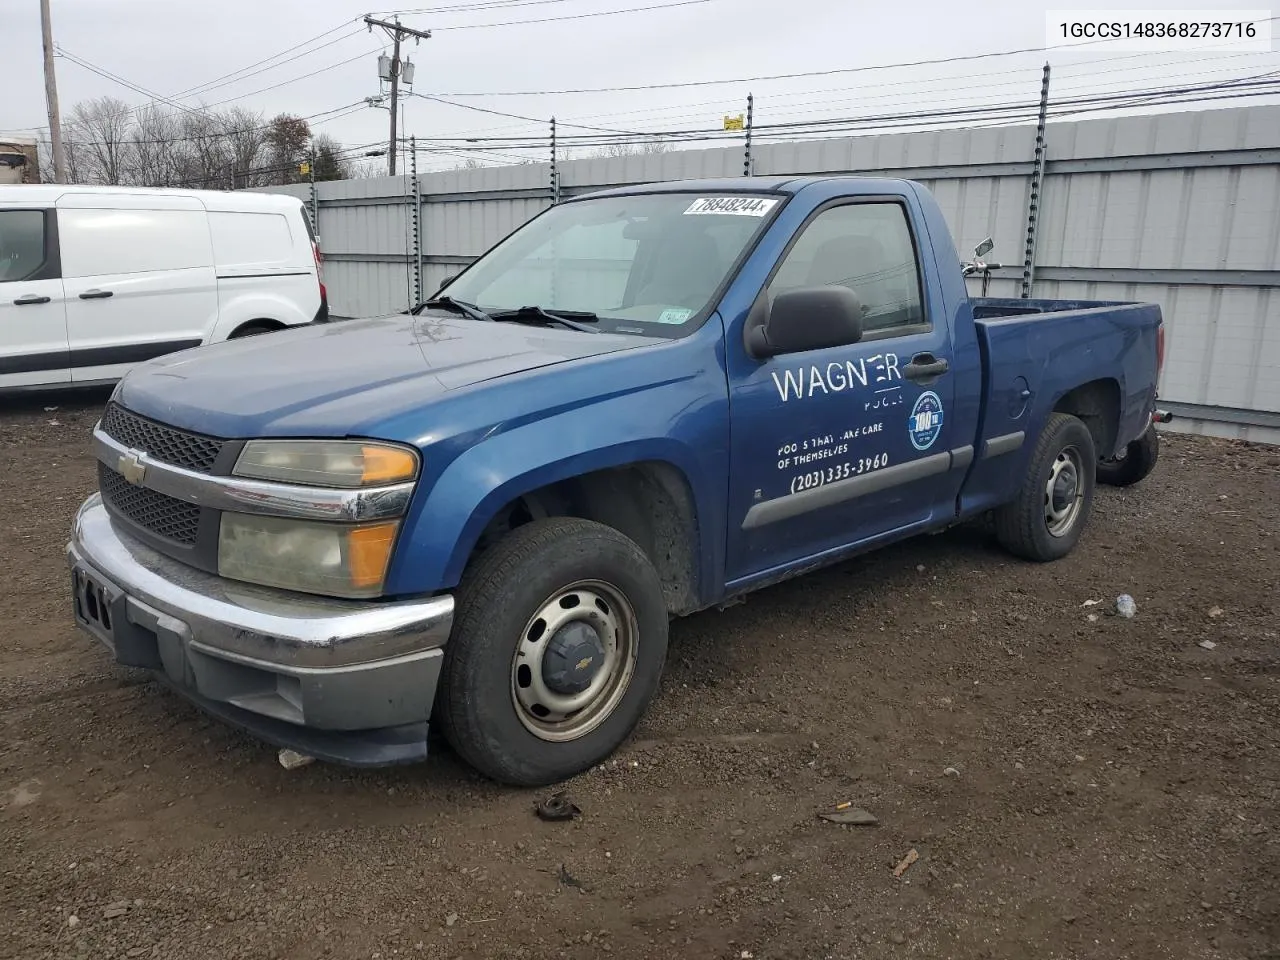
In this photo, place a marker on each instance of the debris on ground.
(293, 760)
(1090, 603)
(1125, 606)
(450, 920)
(569, 880)
(950, 772)
(847, 813)
(1215, 612)
(557, 807)
(1207, 644)
(912, 856)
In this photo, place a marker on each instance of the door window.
(22, 245)
(866, 247)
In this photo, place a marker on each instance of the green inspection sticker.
(674, 315)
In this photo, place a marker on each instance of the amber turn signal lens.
(387, 465)
(369, 552)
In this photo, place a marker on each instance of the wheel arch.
(1097, 404)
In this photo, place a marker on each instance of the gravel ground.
(1074, 784)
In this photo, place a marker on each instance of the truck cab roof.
(777, 184)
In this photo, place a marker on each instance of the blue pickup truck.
(482, 514)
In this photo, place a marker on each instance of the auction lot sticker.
(732, 206)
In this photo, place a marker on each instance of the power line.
(1259, 85)
(578, 16)
(245, 76)
(516, 116)
(962, 58)
(471, 7)
(915, 86)
(192, 91)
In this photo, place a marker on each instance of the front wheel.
(556, 651)
(1048, 516)
(1135, 462)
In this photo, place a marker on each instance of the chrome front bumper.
(350, 681)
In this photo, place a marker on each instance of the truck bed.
(1033, 353)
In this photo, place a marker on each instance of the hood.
(342, 378)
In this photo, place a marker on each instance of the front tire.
(1045, 521)
(1134, 464)
(556, 651)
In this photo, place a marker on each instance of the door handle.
(925, 366)
(29, 299)
(96, 294)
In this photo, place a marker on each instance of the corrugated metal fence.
(1181, 209)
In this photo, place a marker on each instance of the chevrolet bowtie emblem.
(131, 467)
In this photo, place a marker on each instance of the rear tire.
(555, 653)
(1045, 521)
(1134, 464)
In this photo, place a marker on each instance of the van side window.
(22, 244)
(100, 242)
(866, 247)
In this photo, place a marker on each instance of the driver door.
(845, 444)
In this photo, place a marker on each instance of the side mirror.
(445, 282)
(805, 318)
(982, 249)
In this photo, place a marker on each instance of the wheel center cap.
(575, 655)
(1064, 491)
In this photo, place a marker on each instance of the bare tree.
(100, 130)
(246, 141)
(641, 148)
(163, 144)
(156, 147)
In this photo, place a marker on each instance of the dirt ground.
(1113, 786)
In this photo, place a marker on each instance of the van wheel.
(253, 329)
(1046, 520)
(555, 653)
(1135, 462)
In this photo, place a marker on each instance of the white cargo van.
(96, 279)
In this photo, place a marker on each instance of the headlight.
(327, 463)
(332, 559)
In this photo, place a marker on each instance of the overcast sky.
(169, 48)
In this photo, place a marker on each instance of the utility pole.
(397, 33)
(51, 96)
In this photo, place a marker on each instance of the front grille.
(162, 515)
(191, 451)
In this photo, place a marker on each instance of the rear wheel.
(1134, 463)
(556, 651)
(253, 329)
(1046, 520)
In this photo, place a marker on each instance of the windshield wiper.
(562, 317)
(459, 306)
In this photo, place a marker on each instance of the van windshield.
(648, 263)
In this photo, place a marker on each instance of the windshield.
(646, 264)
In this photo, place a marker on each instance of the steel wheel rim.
(555, 716)
(1064, 492)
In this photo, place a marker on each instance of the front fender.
(682, 428)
